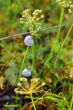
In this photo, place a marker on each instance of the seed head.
(28, 40)
(26, 73)
(64, 3)
(70, 9)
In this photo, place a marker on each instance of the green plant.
(41, 53)
(29, 88)
(31, 20)
(12, 74)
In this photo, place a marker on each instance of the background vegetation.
(59, 77)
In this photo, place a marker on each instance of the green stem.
(33, 49)
(61, 18)
(33, 56)
(23, 62)
(32, 101)
(21, 68)
(63, 44)
(71, 104)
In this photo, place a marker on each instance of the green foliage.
(50, 57)
(12, 74)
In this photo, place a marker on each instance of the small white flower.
(26, 73)
(28, 40)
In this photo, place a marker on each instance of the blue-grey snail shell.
(26, 73)
(28, 40)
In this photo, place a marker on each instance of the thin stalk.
(32, 101)
(71, 104)
(23, 61)
(33, 56)
(61, 18)
(50, 94)
(33, 49)
(12, 106)
(21, 68)
(63, 44)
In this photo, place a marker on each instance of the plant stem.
(23, 61)
(63, 44)
(32, 101)
(17, 101)
(61, 18)
(57, 37)
(71, 104)
(33, 49)
(33, 56)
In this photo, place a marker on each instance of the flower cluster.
(71, 8)
(32, 19)
(37, 15)
(64, 3)
(24, 87)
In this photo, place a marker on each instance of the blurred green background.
(11, 11)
